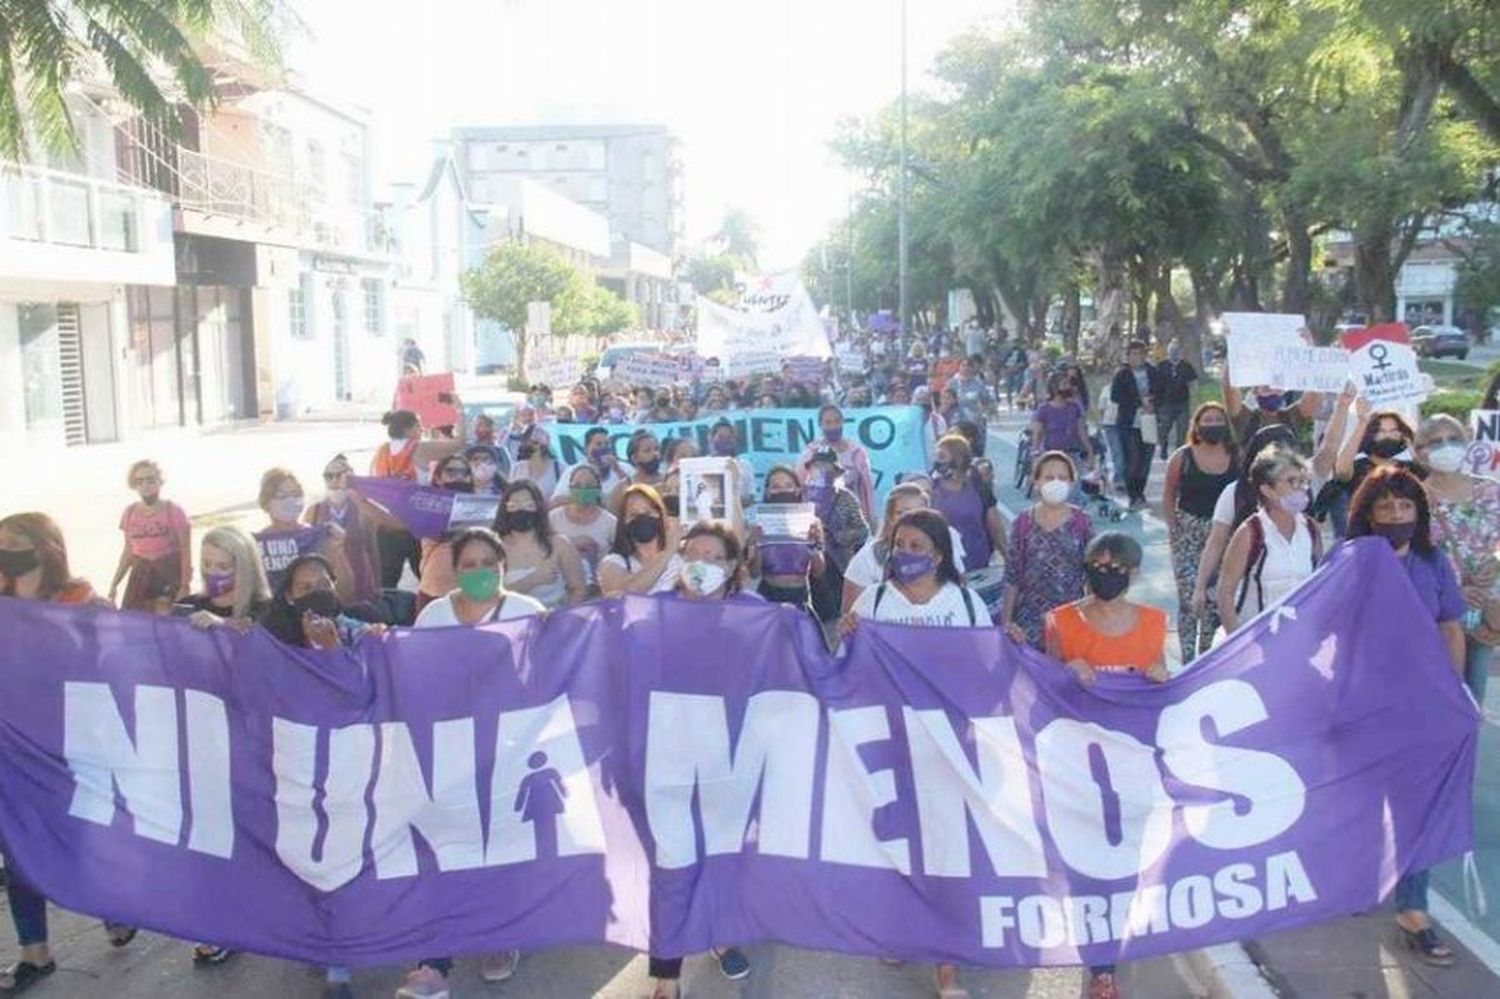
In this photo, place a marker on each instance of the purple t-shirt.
(966, 509)
(1059, 426)
(1437, 585)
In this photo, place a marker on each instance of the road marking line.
(1480, 943)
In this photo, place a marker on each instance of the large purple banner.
(670, 774)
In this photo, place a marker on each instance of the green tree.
(710, 272)
(589, 308)
(738, 237)
(46, 44)
(510, 278)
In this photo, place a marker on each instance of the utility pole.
(903, 315)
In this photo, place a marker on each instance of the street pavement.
(216, 476)
(1360, 956)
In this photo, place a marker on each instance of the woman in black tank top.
(1196, 475)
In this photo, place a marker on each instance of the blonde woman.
(234, 590)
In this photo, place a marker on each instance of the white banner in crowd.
(1483, 457)
(1387, 374)
(650, 368)
(776, 319)
(1269, 349)
(557, 372)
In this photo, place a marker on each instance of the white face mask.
(704, 578)
(1446, 457)
(337, 496)
(289, 508)
(485, 472)
(1056, 490)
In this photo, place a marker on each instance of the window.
(315, 174)
(374, 306)
(299, 311)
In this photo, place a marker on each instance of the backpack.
(963, 591)
(1255, 561)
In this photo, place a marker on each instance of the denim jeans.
(1477, 667)
(1411, 892)
(28, 910)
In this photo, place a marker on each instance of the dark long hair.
(51, 551)
(624, 545)
(543, 530)
(1397, 482)
(933, 524)
(281, 619)
(1373, 427)
(1246, 495)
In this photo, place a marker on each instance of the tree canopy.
(1104, 145)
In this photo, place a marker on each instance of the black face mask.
(323, 603)
(673, 503)
(15, 564)
(459, 487)
(1213, 434)
(784, 497)
(645, 529)
(649, 467)
(1108, 581)
(526, 451)
(1388, 447)
(524, 521)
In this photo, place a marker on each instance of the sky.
(754, 91)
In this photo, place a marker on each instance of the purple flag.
(667, 773)
(428, 512)
(280, 548)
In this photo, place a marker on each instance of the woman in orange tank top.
(1106, 633)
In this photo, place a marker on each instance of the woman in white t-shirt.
(481, 598)
(585, 522)
(867, 568)
(1277, 547)
(644, 559)
(923, 586)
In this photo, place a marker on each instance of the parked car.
(1440, 341)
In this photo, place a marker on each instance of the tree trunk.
(1298, 262)
(1072, 316)
(1109, 301)
(1168, 315)
(1374, 271)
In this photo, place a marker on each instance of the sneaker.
(733, 963)
(499, 967)
(424, 982)
(1102, 986)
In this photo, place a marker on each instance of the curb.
(1230, 973)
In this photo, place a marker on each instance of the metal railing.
(50, 206)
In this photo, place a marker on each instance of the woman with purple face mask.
(1277, 547)
(923, 587)
(1392, 504)
(858, 478)
(235, 592)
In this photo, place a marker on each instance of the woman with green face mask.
(584, 521)
(481, 598)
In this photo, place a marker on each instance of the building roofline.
(518, 132)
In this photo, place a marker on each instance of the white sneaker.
(424, 983)
(499, 967)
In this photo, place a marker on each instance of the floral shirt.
(1469, 532)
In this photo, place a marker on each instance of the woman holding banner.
(644, 558)
(855, 463)
(477, 562)
(235, 591)
(867, 568)
(34, 566)
(1106, 633)
(1392, 504)
(1277, 547)
(922, 586)
(1466, 523)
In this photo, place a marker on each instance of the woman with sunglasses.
(158, 542)
(454, 475)
(361, 521)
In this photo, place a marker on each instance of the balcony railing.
(221, 188)
(49, 206)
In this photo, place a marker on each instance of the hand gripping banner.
(662, 773)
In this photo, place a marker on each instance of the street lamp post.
(901, 226)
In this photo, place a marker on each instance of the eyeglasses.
(146, 480)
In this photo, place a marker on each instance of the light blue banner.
(894, 437)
